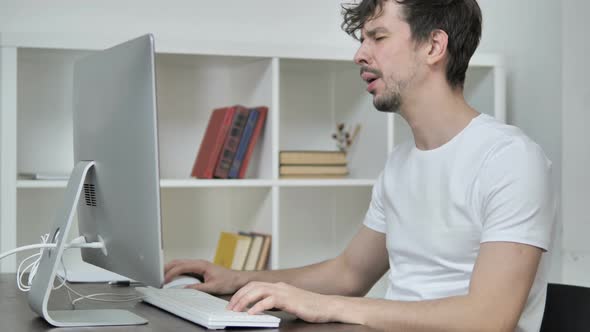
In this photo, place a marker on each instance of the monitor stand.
(44, 278)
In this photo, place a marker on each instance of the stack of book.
(228, 142)
(243, 251)
(313, 164)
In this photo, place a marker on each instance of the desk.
(16, 316)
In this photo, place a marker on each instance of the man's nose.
(361, 56)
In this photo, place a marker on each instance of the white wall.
(527, 32)
(302, 22)
(576, 142)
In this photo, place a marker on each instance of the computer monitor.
(115, 182)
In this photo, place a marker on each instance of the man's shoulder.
(503, 141)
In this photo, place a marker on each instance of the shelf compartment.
(44, 114)
(317, 223)
(315, 95)
(193, 218)
(190, 87)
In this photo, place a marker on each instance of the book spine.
(312, 158)
(262, 112)
(231, 143)
(234, 171)
(212, 142)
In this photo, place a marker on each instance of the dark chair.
(567, 309)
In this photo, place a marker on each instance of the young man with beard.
(461, 216)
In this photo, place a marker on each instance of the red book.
(262, 111)
(230, 146)
(219, 124)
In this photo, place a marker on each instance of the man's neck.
(436, 115)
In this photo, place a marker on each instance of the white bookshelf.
(307, 89)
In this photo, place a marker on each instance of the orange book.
(217, 129)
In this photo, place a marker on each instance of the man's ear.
(436, 46)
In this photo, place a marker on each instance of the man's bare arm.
(352, 273)
(500, 284)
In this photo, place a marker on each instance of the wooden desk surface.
(16, 316)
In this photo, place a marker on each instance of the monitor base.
(104, 317)
(43, 280)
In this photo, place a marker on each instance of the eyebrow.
(371, 33)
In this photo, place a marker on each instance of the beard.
(390, 102)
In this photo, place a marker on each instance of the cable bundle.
(33, 264)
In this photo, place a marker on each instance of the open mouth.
(369, 76)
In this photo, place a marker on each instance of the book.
(313, 170)
(244, 142)
(262, 113)
(226, 247)
(212, 142)
(312, 158)
(230, 145)
(232, 250)
(262, 262)
(313, 176)
(241, 251)
(254, 252)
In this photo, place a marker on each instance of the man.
(461, 216)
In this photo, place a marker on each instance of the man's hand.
(309, 306)
(216, 279)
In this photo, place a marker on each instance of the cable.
(130, 296)
(79, 242)
(73, 244)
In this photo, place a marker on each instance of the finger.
(254, 295)
(266, 304)
(180, 269)
(240, 293)
(188, 266)
(170, 274)
(206, 287)
(172, 264)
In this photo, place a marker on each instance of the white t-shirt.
(489, 183)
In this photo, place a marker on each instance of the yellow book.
(226, 247)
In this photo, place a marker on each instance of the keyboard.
(202, 308)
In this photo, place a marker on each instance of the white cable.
(95, 245)
(78, 242)
(29, 247)
(19, 282)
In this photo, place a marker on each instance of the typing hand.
(311, 307)
(216, 279)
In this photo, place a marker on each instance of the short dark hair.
(460, 19)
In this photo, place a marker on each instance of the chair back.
(567, 309)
